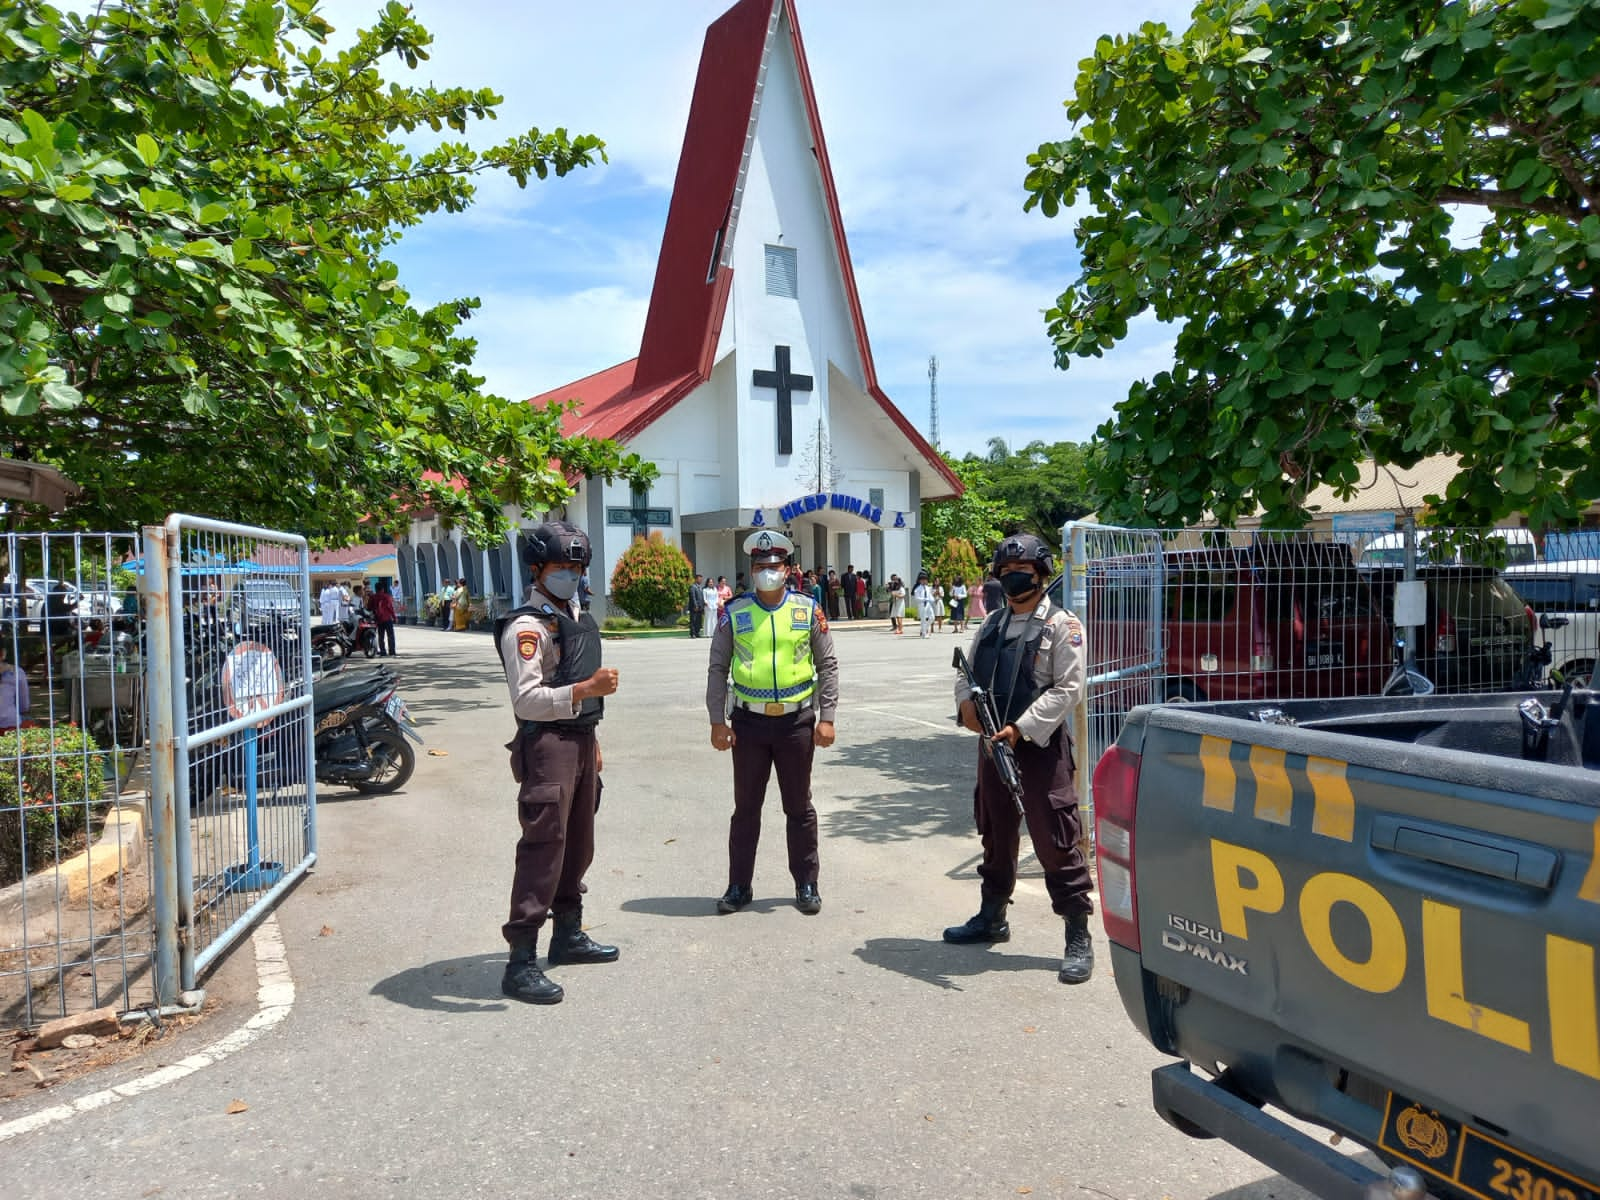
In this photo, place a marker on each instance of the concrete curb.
(275, 997)
(120, 845)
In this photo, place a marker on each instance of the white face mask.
(770, 579)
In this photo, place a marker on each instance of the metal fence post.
(163, 773)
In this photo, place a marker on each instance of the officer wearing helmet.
(774, 649)
(550, 649)
(1030, 655)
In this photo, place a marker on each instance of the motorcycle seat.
(326, 630)
(346, 687)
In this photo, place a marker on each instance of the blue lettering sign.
(759, 519)
(810, 503)
(899, 520)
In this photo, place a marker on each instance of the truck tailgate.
(1426, 917)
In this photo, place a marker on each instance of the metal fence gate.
(233, 798)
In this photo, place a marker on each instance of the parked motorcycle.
(361, 729)
(341, 639)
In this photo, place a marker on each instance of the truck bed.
(1378, 916)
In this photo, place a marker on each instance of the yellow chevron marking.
(1221, 782)
(1274, 794)
(1335, 812)
(1589, 889)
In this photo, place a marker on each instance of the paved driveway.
(766, 1053)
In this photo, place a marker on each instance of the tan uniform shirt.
(1059, 670)
(530, 655)
(822, 657)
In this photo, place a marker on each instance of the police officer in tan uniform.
(551, 653)
(1030, 656)
(773, 651)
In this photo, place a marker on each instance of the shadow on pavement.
(453, 985)
(912, 761)
(935, 796)
(1276, 1187)
(701, 906)
(941, 964)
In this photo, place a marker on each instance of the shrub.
(49, 779)
(651, 579)
(957, 558)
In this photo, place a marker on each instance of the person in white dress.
(926, 603)
(709, 592)
(331, 601)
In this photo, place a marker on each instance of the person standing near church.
(329, 602)
(776, 649)
(551, 651)
(697, 606)
(383, 615)
(710, 601)
(847, 583)
(1030, 655)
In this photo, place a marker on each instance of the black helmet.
(555, 541)
(1024, 547)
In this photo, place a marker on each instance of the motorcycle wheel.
(397, 762)
(369, 643)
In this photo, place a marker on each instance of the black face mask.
(1018, 584)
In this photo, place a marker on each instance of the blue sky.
(930, 108)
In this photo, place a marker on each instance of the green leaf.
(61, 395)
(149, 151)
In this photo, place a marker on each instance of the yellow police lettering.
(1264, 895)
(1444, 981)
(1574, 1014)
(1385, 966)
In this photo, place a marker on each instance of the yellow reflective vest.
(772, 649)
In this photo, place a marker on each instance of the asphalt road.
(766, 1053)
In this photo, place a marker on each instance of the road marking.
(274, 996)
(947, 727)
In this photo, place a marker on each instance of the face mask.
(563, 585)
(1018, 584)
(770, 579)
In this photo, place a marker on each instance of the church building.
(754, 391)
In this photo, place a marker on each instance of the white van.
(1389, 549)
(1570, 589)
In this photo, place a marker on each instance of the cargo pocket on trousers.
(1066, 825)
(541, 813)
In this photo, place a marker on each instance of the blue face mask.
(563, 585)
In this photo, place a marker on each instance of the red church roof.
(684, 321)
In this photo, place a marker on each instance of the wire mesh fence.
(1225, 614)
(76, 922)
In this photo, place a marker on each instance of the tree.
(1044, 486)
(651, 580)
(1294, 186)
(976, 516)
(195, 311)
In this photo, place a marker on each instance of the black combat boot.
(524, 981)
(987, 925)
(570, 944)
(1078, 963)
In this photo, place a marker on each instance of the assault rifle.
(997, 752)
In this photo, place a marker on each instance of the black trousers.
(1050, 809)
(760, 744)
(555, 806)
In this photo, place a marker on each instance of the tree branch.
(1494, 198)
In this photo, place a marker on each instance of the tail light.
(1444, 641)
(1116, 795)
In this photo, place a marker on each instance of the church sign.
(820, 501)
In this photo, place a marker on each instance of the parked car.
(1567, 590)
(1476, 633)
(1265, 622)
(1388, 549)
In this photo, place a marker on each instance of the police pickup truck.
(1381, 916)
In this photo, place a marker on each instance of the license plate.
(1476, 1163)
(397, 710)
(1325, 654)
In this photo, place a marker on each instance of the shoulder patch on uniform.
(800, 614)
(822, 617)
(527, 644)
(1074, 630)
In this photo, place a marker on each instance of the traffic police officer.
(1030, 655)
(785, 685)
(551, 653)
